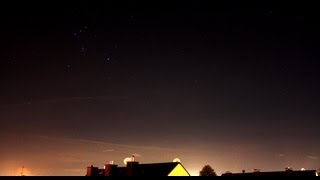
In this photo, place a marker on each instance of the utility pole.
(22, 171)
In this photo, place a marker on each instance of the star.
(68, 67)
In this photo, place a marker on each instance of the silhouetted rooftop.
(157, 169)
(275, 173)
(135, 169)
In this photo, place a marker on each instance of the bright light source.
(177, 160)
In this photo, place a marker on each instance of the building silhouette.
(287, 172)
(136, 169)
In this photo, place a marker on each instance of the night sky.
(230, 86)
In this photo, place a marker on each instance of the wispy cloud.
(281, 155)
(102, 143)
(137, 155)
(74, 160)
(312, 157)
(73, 170)
(108, 150)
(109, 146)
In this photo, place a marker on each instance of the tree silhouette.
(207, 171)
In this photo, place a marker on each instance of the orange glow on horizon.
(23, 171)
(193, 172)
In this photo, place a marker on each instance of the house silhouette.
(136, 169)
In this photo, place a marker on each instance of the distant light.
(193, 172)
(303, 169)
(176, 160)
(126, 160)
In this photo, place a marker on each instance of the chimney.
(92, 171)
(133, 168)
(288, 169)
(110, 170)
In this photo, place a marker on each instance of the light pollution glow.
(51, 156)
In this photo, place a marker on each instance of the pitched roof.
(157, 169)
(136, 169)
(160, 169)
